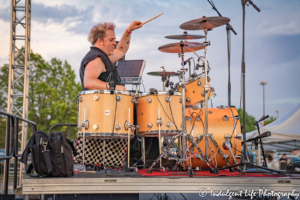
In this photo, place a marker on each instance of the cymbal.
(185, 37)
(176, 48)
(163, 73)
(204, 23)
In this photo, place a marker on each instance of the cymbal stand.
(182, 141)
(206, 89)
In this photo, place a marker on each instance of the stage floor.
(99, 183)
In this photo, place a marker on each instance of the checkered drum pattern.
(115, 150)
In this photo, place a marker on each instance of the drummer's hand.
(134, 25)
(120, 88)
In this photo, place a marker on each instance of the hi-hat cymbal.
(163, 73)
(204, 23)
(185, 37)
(176, 47)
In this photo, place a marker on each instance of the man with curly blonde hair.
(97, 65)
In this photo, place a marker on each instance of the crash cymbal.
(163, 73)
(185, 36)
(176, 47)
(204, 23)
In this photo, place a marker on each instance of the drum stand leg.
(83, 152)
(143, 152)
(159, 157)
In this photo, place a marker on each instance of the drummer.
(97, 69)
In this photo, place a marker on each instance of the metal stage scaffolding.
(19, 66)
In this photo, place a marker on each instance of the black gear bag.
(50, 155)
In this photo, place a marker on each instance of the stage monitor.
(131, 71)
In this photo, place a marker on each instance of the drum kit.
(207, 138)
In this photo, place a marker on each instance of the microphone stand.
(228, 28)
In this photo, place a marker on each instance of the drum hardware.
(95, 127)
(85, 124)
(227, 146)
(227, 137)
(225, 118)
(150, 125)
(118, 98)
(80, 99)
(168, 99)
(149, 100)
(118, 127)
(169, 124)
(96, 97)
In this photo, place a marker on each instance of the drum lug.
(118, 127)
(198, 119)
(169, 124)
(134, 100)
(149, 100)
(208, 79)
(168, 99)
(225, 118)
(137, 127)
(188, 100)
(118, 98)
(80, 99)
(180, 100)
(199, 83)
(150, 125)
(95, 127)
(85, 124)
(159, 121)
(227, 137)
(79, 128)
(203, 94)
(126, 125)
(96, 97)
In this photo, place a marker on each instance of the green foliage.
(52, 93)
(270, 120)
(250, 120)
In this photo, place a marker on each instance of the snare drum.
(222, 123)
(170, 114)
(194, 92)
(106, 114)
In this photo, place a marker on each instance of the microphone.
(188, 60)
(197, 65)
(168, 80)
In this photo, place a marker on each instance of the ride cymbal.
(204, 23)
(185, 46)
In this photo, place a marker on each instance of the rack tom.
(194, 92)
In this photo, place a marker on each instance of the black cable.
(183, 196)
(165, 112)
(108, 79)
(172, 115)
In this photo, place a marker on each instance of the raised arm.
(124, 43)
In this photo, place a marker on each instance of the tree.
(270, 120)
(250, 120)
(52, 93)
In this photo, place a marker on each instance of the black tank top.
(109, 66)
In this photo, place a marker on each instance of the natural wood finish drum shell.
(219, 128)
(101, 112)
(148, 113)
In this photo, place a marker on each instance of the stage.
(99, 183)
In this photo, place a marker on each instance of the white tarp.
(285, 132)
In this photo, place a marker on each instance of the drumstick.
(152, 18)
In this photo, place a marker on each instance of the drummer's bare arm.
(92, 71)
(124, 43)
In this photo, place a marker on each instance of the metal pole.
(229, 82)
(6, 161)
(206, 88)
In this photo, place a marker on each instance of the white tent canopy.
(285, 132)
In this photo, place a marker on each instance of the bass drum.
(224, 125)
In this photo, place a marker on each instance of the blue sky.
(60, 29)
